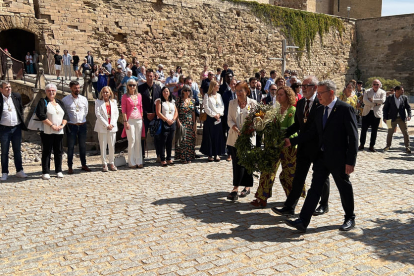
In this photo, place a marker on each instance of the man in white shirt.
(67, 59)
(160, 72)
(374, 99)
(122, 62)
(11, 126)
(77, 108)
(270, 81)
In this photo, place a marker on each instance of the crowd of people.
(152, 103)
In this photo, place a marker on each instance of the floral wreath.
(265, 120)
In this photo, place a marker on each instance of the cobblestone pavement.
(176, 221)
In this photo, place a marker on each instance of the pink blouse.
(127, 105)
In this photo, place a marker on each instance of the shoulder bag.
(35, 123)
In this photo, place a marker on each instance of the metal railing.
(17, 66)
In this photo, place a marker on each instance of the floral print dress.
(186, 149)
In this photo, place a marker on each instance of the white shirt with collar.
(213, 105)
(311, 101)
(77, 109)
(9, 117)
(397, 101)
(66, 59)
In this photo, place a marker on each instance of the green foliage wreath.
(264, 120)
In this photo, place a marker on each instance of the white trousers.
(134, 142)
(68, 71)
(107, 139)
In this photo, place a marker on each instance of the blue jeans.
(13, 135)
(77, 134)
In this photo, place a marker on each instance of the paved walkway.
(176, 221)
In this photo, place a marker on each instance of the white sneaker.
(59, 175)
(46, 176)
(4, 177)
(21, 174)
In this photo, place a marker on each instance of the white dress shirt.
(213, 106)
(331, 105)
(77, 109)
(311, 101)
(397, 101)
(9, 117)
(122, 62)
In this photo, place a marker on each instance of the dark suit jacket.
(339, 138)
(17, 101)
(148, 105)
(309, 148)
(91, 61)
(258, 94)
(268, 99)
(390, 109)
(227, 97)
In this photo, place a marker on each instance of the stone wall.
(359, 8)
(385, 48)
(293, 4)
(17, 6)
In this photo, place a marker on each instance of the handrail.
(17, 68)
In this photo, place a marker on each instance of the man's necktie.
(306, 113)
(325, 116)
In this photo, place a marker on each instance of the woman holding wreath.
(287, 99)
(238, 110)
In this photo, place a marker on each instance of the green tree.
(387, 84)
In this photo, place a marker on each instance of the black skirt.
(240, 175)
(213, 142)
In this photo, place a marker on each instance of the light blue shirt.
(169, 80)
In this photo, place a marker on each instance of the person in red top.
(296, 87)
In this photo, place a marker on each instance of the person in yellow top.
(348, 96)
(286, 98)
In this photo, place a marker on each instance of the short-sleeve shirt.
(75, 60)
(168, 108)
(58, 59)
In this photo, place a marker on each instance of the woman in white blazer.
(238, 110)
(106, 111)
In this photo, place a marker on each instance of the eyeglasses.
(307, 85)
(186, 90)
(132, 85)
(375, 84)
(273, 89)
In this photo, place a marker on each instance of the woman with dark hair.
(178, 71)
(238, 111)
(296, 87)
(286, 98)
(166, 111)
(111, 80)
(213, 144)
(185, 151)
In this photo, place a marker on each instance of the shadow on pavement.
(398, 171)
(213, 208)
(391, 238)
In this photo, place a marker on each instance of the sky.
(394, 7)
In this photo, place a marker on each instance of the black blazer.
(339, 138)
(258, 95)
(390, 109)
(309, 148)
(148, 105)
(41, 109)
(17, 101)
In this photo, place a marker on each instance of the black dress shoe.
(372, 149)
(361, 148)
(348, 225)
(284, 211)
(232, 196)
(321, 210)
(298, 224)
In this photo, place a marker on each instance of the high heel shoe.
(259, 203)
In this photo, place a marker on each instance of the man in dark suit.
(306, 110)
(149, 92)
(255, 93)
(228, 95)
(11, 126)
(394, 110)
(336, 128)
(89, 59)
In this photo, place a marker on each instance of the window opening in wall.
(18, 42)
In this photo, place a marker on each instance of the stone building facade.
(190, 33)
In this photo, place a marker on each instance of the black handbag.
(155, 126)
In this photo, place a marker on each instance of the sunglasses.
(307, 85)
(132, 85)
(186, 90)
(376, 84)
